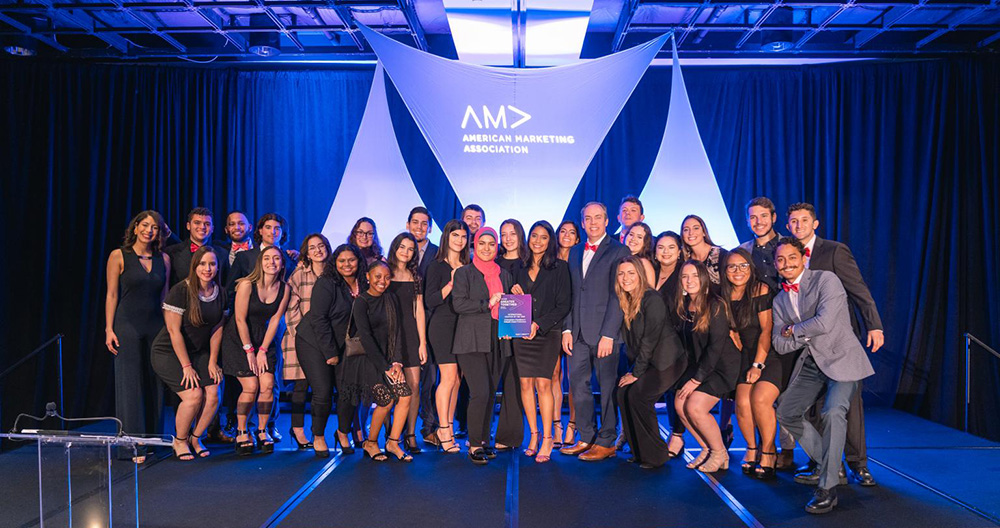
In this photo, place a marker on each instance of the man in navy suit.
(591, 334)
(418, 224)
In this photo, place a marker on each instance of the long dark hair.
(707, 305)
(444, 249)
(193, 311)
(411, 266)
(744, 313)
(576, 227)
(647, 243)
(680, 248)
(551, 255)
(522, 249)
(361, 275)
(157, 243)
(704, 228)
(373, 252)
(304, 250)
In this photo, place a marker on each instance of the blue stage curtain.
(900, 158)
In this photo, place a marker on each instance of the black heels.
(674, 454)
(764, 472)
(748, 465)
(411, 443)
(264, 442)
(245, 447)
(399, 453)
(298, 445)
(344, 441)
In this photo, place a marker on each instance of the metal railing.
(58, 339)
(969, 339)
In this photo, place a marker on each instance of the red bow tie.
(793, 287)
(194, 247)
(808, 252)
(241, 247)
(590, 247)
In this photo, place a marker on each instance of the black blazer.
(828, 255)
(324, 326)
(180, 261)
(429, 255)
(551, 295)
(707, 349)
(596, 312)
(471, 299)
(652, 340)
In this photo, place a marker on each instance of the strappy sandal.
(531, 451)
(675, 454)
(443, 443)
(570, 437)
(199, 450)
(411, 443)
(400, 455)
(557, 433)
(184, 457)
(764, 472)
(748, 464)
(375, 454)
(264, 442)
(245, 447)
(541, 459)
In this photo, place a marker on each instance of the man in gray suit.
(591, 334)
(811, 315)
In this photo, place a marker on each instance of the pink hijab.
(489, 269)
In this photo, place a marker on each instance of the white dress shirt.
(809, 248)
(588, 254)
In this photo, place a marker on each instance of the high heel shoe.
(300, 446)
(766, 472)
(372, 451)
(245, 447)
(717, 461)
(702, 457)
(399, 453)
(570, 437)
(344, 441)
(443, 443)
(557, 434)
(749, 463)
(411, 443)
(184, 457)
(264, 442)
(531, 451)
(199, 450)
(679, 452)
(541, 459)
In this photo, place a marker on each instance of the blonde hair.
(631, 302)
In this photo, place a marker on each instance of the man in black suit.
(418, 224)
(591, 334)
(828, 255)
(200, 228)
(239, 231)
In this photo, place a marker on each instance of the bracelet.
(249, 350)
(261, 350)
(757, 365)
(185, 366)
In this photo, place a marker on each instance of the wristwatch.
(247, 348)
(757, 365)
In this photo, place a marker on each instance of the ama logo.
(494, 120)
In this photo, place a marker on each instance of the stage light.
(778, 40)
(267, 43)
(23, 45)
(21, 50)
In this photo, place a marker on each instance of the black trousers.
(510, 424)
(299, 391)
(637, 404)
(480, 371)
(856, 447)
(321, 378)
(138, 390)
(428, 409)
(676, 425)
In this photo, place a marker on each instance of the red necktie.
(793, 287)
(241, 247)
(194, 247)
(590, 247)
(807, 254)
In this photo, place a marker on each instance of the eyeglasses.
(743, 266)
(364, 234)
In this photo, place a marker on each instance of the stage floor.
(928, 475)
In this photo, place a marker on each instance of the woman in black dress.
(667, 262)
(512, 255)
(657, 358)
(476, 298)
(364, 236)
(714, 364)
(261, 299)
(569, 236)
(186, 352)
(452, 255)
(546, 279)
(761, 372)
(319, 340)
(405, 285)
(639, 240)
(375, 373)
(137, 283)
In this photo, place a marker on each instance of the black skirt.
(168, 368)
(537, 358)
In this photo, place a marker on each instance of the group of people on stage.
(767, 329)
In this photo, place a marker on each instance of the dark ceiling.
(202, 30)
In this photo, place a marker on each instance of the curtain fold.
(900, 159)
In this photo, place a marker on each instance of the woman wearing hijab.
(476, 295)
